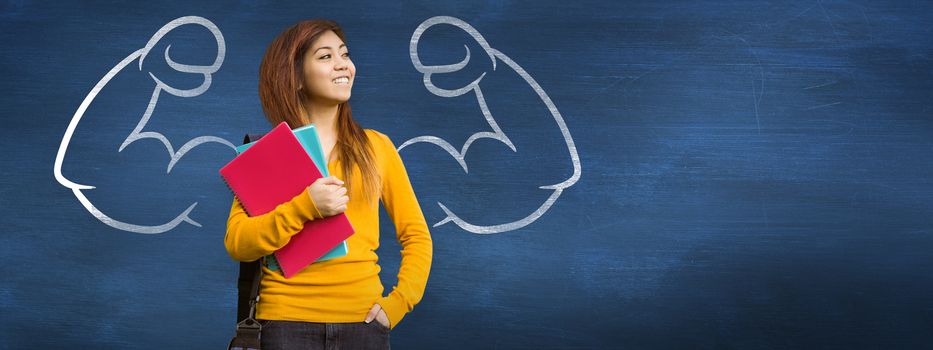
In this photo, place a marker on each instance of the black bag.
(248, 330)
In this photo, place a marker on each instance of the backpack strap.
(250, 272)
(249, 329)
(248, 281)
(252, 138)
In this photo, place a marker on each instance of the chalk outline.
(137, 133)
(497, 133)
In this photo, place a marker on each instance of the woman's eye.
(325, 56)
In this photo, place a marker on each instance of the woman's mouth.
(342, 81)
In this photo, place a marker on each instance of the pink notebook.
(272, 172)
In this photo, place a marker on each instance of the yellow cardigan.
(340, 290)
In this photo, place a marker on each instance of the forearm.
(417, 253)
(411, 229)
(250, 238)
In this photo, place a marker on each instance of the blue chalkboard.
(596, 175)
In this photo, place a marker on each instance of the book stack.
(272, 171)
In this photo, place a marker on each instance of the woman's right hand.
(329, 196)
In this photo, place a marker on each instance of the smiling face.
(328, 71)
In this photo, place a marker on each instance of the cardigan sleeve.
(250, 238)
(412, 233)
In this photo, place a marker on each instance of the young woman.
(305, 77)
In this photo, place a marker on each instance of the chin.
(342, 99)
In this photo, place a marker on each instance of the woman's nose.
(342, 63)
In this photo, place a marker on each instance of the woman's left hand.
(379, 315)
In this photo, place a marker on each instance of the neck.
(324, 116)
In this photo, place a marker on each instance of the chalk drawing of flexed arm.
(497, 133)
(138, 133)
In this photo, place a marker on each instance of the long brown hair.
(280, 75)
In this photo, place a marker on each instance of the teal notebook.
(308, 137)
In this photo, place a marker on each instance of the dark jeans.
(289, 335)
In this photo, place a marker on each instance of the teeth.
(342, 80)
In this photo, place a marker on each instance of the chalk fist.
(329, 196)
